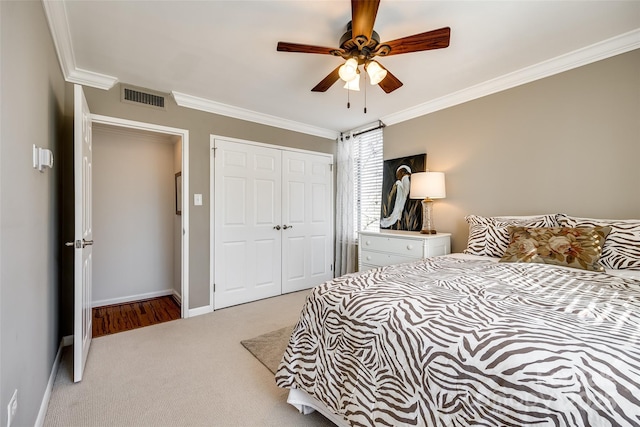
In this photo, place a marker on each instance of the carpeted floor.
(269, 348)
(188, 372)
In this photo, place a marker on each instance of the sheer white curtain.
(346, 249)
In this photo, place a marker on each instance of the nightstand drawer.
(438, 246)
(379, 259)
(402, 247)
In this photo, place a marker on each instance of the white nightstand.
(378, 248)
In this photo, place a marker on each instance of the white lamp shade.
(427, 185)
(353, 84)
(376, 72)
(349, 70)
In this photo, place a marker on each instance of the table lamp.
(427, 186)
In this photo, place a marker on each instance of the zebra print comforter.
(451, 342)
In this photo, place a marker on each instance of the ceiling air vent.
(146, 97)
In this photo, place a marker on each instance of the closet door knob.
(284, 227)
(277, 227)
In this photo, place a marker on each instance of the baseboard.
(42, 413)
(200, 311)
(130, 298)
(177, 297)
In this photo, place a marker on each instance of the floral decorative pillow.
(622, 248)
(579, 247)
(489, 236)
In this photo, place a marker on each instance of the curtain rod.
(380, 126)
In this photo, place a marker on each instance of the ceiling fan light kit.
(349, 70)
(353, 84)
(376, 72)
(360, 44)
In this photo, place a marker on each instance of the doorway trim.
(184, 134)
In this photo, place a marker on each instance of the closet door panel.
(247, 203)
(307, 241)
(319, 259)
(295, 263)
(296, 206)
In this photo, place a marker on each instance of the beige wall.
(567, 143)
(200, 125)
(32, 100)
(133, 215)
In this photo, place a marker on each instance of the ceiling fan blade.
(328, 81)
(363, 16)
(436, 39)
(390, 82)
(304, 48)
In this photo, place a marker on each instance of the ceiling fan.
(360, 44)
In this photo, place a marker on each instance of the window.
(367, 153)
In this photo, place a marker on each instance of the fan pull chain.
(365, 93)
(348, 99)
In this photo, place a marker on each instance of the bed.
(466, 340)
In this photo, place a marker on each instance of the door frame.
(212, 142)
(184, 134)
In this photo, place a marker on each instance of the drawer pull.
(368, 242)
(409, 247)
(368, 258)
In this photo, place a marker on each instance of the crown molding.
(56, 13)
(209, 106)
(611, 47)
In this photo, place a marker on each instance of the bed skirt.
(306, 404)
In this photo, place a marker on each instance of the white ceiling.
(225, 51)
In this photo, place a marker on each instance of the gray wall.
(32, 102)
(567, 143)
(200, 125)
(133, 215)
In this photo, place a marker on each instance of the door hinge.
(331, 167)
(214, 151)
(331, 267)
(214, 288)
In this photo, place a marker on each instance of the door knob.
(284, 227)
(79, 244)
(277, 227)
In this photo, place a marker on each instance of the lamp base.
(427, 217)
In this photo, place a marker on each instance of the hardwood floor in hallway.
(116, 318)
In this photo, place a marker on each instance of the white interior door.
(83, 232)
(307, 237)
(247, 206)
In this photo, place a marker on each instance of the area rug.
(269, 348)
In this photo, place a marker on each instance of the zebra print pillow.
(622, 248)
(489, 236)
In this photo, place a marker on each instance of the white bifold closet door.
(272, 221)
